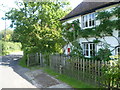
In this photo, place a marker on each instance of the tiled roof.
(87, 7)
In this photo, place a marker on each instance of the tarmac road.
(14, 76)
(9, 76)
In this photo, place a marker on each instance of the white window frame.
(119, 34)
(117, 51)
(87, 48)
(86, 20)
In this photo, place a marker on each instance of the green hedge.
(7, 47)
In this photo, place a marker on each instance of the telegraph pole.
(5, 29)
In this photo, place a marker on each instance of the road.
(10, 77)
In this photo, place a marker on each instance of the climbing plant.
(73, 31)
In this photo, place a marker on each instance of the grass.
(35, 68)
(70, 81)
(22, 62)
(64, 78)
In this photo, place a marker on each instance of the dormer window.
(88, 20)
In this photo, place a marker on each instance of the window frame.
(86, 20)
(117, 50)
(118, 34)
(87, 49)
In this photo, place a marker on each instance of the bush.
(103, 54)
(23, 62)
(112, 73)
(7, 47)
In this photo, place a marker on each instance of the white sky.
(11, 4)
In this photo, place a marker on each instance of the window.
(118, 51)
(88, 20)
(89, 49)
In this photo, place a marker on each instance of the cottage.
(86, 13)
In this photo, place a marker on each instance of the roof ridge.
(87, 7)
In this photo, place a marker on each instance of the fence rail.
(87, 70)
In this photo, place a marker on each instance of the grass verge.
(22, 62)
(70, 81)
(64, 78)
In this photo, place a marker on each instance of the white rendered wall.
(109, 39)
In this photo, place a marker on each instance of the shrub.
(103, 54)
(112, 73)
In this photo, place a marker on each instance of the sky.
(11, 4)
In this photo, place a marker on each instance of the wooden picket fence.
(87, 70)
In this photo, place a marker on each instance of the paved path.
(43, 80)
(9, 78)
(14, 76)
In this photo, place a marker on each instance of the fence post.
(95, 72)
(40, 59)
(83, 68)
(28, 60)
(50, 61)
(37, 58)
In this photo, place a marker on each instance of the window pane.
(94, 48)
(91, 45)
(86, 46)
(84, 49)
(89, 49)
(93, 19)
(90, 23)
(87, 54)
(93, 16)
(93, 22)
(86, 18)
(89, 17)
(83, 21)
(119, 34)
(86, 24)
(86, 21)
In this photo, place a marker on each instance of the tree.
(7, 37)
(37, 25)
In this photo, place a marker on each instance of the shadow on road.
(12, 61)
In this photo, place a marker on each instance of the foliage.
(112, 72)
(96, 40)
(6, 36)
(15, 37)
(22, 62)
(73, 31)
(105, 27)
(116, 12)
(8, 47)
(103, 54)
(37, 26)
(76, 49)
